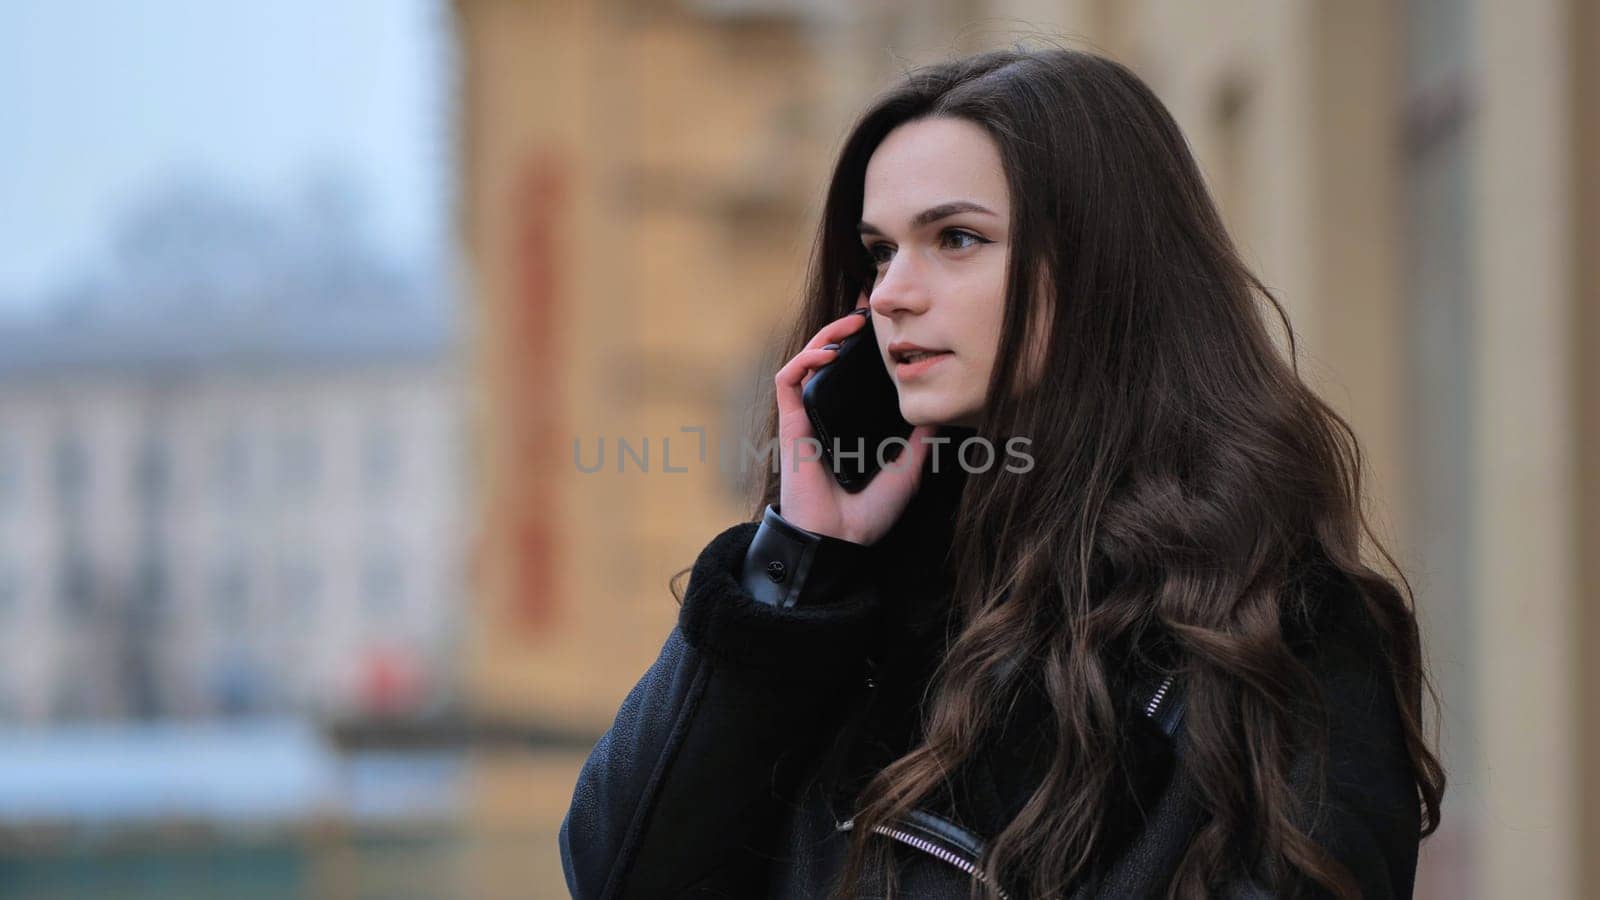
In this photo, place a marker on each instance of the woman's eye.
(873, 254)
(964, 234)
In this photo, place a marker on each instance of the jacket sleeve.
(1370, 816)
(681, 795)
(1367, 813)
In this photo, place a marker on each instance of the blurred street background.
(308, 308)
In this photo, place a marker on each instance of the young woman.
(1152, 662)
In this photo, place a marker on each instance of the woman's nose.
(898, 291)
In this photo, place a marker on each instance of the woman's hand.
(809, 496)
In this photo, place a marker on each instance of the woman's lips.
(906, 371)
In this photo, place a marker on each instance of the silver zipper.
(956, 859)
(1160, 694)
(932, 849)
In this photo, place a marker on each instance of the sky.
(103, 102)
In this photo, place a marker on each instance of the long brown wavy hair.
(1183, 477)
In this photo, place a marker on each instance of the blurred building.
(1416, 182)
(229, 509)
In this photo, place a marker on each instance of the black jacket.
(794, 673)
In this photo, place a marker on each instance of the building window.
(230, 468)
(150, 591)
(298, 463)
(300, 594)
(240, 686)
(76, 583)
(1436, 117)
(10, 589)
(381, 585)
(1234, 112)
(71, 472)
(10, 472)
(73, 698)
(380, 459)
(152, 472)
(230, 592)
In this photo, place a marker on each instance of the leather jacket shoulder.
(681, 796)
(705, 784)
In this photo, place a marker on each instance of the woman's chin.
(926, 415)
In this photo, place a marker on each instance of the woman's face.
(935, 213)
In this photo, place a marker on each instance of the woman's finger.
(837, 330)
(791, 379)
(795, 370)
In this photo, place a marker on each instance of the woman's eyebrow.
(931, 214)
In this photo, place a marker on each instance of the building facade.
(204, 515)
(1416, 183)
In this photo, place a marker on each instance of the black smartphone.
(854, 410)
